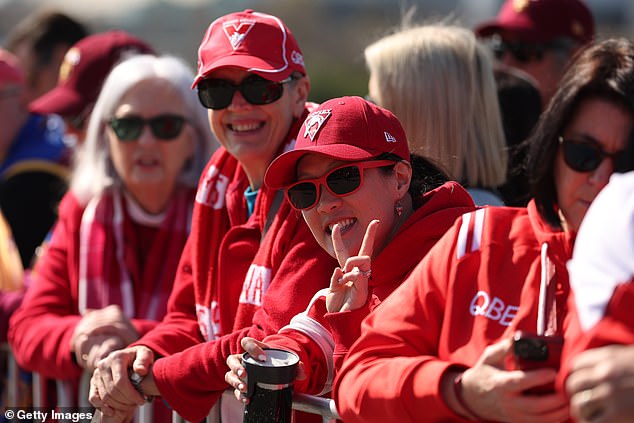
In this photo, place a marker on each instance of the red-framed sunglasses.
(340, 181)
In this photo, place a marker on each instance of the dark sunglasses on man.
(217, 94)
(340, 181)
(164, 127)
(525, 52)
(586, 156)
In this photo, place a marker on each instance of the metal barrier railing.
(301, 402)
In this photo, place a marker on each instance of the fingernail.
(240, 386)
(240, 372)
(262, 357)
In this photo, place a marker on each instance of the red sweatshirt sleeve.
(191, 380)
(392, 373)
(41, 329)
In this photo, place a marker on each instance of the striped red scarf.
(109, 270)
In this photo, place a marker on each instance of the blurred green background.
(331, 33)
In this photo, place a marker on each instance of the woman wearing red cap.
(367, 202)
(440, 347)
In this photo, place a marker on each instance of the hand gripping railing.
(301, 402)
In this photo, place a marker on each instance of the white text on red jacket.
(209, 320)
(255, 285)
(212, 194)
(492, 308)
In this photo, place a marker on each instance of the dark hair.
(44, 31)
(426, 175)
(603, 70)
(520, 105)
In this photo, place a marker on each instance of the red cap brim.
(59, 100)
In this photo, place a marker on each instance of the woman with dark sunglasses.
(368, 204)
(106, 275)
(440, 348)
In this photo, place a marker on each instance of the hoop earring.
(398, 208)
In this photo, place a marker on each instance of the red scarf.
(109, 270)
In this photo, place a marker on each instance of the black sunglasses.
(217, 94)
(164, 127)
(524, 52)
(341, 181)
(586, 155)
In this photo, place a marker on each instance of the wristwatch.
(135, 380)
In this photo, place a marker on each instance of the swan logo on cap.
(237, 30)
(314, 122)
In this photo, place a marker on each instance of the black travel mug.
(270, 386)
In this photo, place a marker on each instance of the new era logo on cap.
(389, 137)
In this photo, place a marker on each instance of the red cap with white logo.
(253, 41)
(346, 128)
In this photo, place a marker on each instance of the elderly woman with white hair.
(107, 273)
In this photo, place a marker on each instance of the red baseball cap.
(84, 69)
(345, 128)
(10, 72)
(542, 21)
(253, 41)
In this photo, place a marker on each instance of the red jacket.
(232, 282)
(479, 283)
(319, 337)
(41, 329)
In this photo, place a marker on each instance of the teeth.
(245, 127)
(343, 223)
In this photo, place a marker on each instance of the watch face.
(136, 379)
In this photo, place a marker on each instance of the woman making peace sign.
(370, 205)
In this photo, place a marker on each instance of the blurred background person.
(40, 42)
(539, 37)
(438, 80)
(33, 163)
(108, 271)
(520, 105)
(81, 75)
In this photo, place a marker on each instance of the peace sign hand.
(349, 283)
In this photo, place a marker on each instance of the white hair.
(94, 171)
